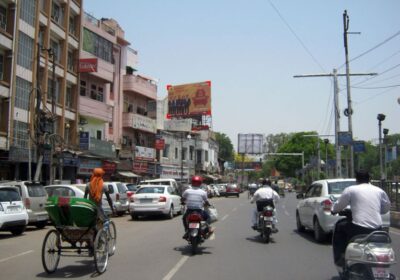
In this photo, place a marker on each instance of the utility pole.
(38, 134)
(337, 110)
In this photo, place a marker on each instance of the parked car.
(221, 189)
(34, 197)
(64, 190)
(132, 188)
(119, 197)
(155, 200)
(314, 208)
(216, 190)
(13, 214)
(232, 190)
(165, 181)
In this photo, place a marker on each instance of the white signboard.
(145, 153)
(144, 123)
(250, 143)
(178, 125)
(3, 142)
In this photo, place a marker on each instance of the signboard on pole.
(250, 143)
(345, 138)
(84, 140)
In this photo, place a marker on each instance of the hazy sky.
(251, 49)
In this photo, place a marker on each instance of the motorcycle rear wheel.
(266, 234)
(195, 244)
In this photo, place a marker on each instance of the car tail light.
(162, 199)
(131, 198)
(327, 205)
(194, 218)
(383, 258)
(27, 203)
(117, 197)
(129, 194)
(268, 213)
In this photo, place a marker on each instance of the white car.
(13, 215)
(75, 190)
(314, 208)
(155, 200)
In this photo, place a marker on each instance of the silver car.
(119, 196)
(13, 215)
(314, 208)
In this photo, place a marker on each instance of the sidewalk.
(395, 219)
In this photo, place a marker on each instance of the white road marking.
(172, 272)
(212, 237)
(283, 206)
(16, 256)
(287, 213)
(224, 217)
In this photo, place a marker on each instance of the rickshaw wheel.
(101, 251)
(112, 238)
(51, 251)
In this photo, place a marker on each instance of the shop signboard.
(160, 144)
(184, 125)
(145, 153)
(140, 167)
(84, 140)
(345, 138)
(87, 65)
(250, 143)
(109, 168)
(86, 165)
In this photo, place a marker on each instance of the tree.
(226, 151)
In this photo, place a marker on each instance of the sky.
(251, 49)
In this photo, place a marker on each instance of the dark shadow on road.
(335, 278)
(86, 268)
(187, 250)
(258, 239)
(309, 236)
(150, 218)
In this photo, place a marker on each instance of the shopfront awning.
(128, 174)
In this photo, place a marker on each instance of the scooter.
(367, 256)
(265, 220)
(197, 230)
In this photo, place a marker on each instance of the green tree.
(226, 151)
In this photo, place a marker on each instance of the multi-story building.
(39, 48)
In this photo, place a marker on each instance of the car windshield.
(36, 191)
(121, 188)
(132, 188)
(7, 195)
(151, 190)
(338, 187)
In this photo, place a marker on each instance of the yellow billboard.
(189, 99)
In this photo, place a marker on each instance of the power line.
(392, 86)
(378, 94)
(384, 72)
(295, 35)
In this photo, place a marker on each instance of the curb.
(395, 219)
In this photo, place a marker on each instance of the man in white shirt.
(264, 193)
(367, 203)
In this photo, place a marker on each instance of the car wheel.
(41, 225)
(134, 216)
(300, 227)
(170, 214)
(237, 195)
(18, 230)
(319, 233)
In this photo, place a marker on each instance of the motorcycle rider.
(264, 192)
(367, 203)
(195, 198)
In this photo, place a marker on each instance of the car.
(313, 211)
(232, 190)
(64, 190)
(13, 214)
(155, 200)
(132, 188)
(166, 181)
(119, 196)
(221, 189)
(34, 197)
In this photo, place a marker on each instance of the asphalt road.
(154, 249)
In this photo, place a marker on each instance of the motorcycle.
(197, 230)
(367, 256)
(265, 219)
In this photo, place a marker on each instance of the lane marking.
(212, 237)
(175, 269)
(287, 213)
(16, 256)
(224, 217)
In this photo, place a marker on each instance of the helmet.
(197, 181)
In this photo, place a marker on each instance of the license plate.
(146, 200)
(13, 209)
(194, 225)
(41, 218)
(381, 272)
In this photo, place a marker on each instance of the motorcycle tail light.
(195, 218)
(326, 205)
(268, 213)
(162, 199)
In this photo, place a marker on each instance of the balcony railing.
(140, 85)
(139, 122)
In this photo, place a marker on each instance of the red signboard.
(87, 65)
(140, 167)
(109, 169)
(160, 144)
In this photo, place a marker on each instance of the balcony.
(140, 85)
(139, 122)
(95, 109)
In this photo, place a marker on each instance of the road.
(153, 249)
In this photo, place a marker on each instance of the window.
(25, 51)
(1, 67)
(97, 45)
(69, 100)
(176, 153)
(57, 92)
(56, 50)
(21, 138)
(57, 12)
(23, 90)
(41, 36)
(191, 152)
(166, 151)
(72, 25)
(206, 156)
(184, 153)
(67, 133)
(309, 192)
(98, 134)
(27, 11)
(96, 92)
(82, 90)
(70, 61)
(3, 18)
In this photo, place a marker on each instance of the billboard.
(87, 65)
(189, 100)
(250, 143)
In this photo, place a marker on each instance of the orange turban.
(96, 184)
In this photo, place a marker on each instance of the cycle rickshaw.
(77, 232)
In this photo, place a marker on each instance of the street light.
(381, 118)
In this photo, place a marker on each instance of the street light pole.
(326, 141)
(381, 117)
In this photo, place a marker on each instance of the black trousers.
(343, 233)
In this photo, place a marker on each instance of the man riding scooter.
(367, 203)
(195, 198)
